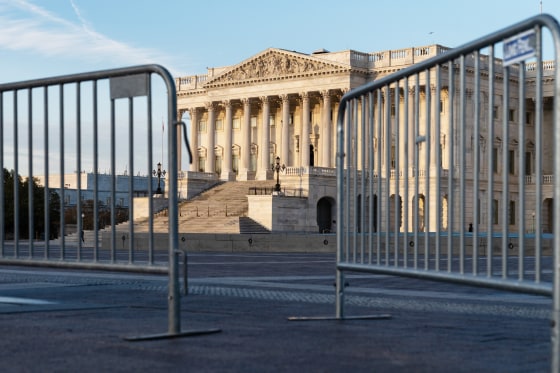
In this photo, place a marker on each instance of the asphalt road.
(55, 320)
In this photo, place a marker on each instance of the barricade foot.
(320, 318)
(188, 333)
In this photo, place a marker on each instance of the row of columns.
(264, 135)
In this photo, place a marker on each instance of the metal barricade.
(445, 169)
(100, 121)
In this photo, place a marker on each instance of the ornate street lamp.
(277, 168)
(159, 173)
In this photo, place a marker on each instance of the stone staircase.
(221, 209)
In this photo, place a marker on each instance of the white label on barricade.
(520, 47)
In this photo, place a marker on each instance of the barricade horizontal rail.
(54, 129)
(445, 168)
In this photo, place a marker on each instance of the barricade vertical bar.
(387, 168)
(113, 184)
(343, 118)
(538, 158)
(505, 172)
(451, 167)
(427, 165)
(476, 162)
(61, 167)
(174, 287)
(96, 174)
(396, 168)
(16, 181)
(406, 169)
(490, 165)
(372, 208)
(150, 191)
(437, 152)
(131, 180)
(555, 322)
(47, 193)
(362, 158)
(462, 161)
(521, 177)
(354, 196)
(381, 224)
(30, 182)
(416, 206)
(79, 200)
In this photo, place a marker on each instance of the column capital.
(226, 103)
(210, 106)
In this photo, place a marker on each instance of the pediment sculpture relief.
(272, 65)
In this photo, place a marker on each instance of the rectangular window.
(393, 156)
(393, 110)
(495, 112)
(202, 126)
(528, 169)
(511, 212)
(511, 161)
(236, 123)
(495, 212)
(253, 122)
(219, 125)
(511, 115)
(529, 118)
(271, 121)
(495, 153)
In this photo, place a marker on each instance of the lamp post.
(277, 168)
(159, 173)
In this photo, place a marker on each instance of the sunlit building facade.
(281, 105)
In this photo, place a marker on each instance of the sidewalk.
(433, 327)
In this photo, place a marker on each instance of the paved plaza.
(56, 320)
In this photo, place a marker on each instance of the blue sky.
(56, 37)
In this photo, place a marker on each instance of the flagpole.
(162, 131)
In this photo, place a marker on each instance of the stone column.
(227, 173)
(284, 154)
(326, 129)
(304, 141)
(245, 140)
(264, 154)
(193, 112)
(434, 137)
(210, 139)
(411, 129)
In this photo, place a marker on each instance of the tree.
(38, 213)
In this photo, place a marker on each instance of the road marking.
(27, 301)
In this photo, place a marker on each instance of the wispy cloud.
(25, 26)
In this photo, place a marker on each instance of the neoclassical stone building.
(283, 104)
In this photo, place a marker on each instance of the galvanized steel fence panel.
(445, 169)
(101, 120)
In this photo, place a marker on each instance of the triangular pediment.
(275, 64)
